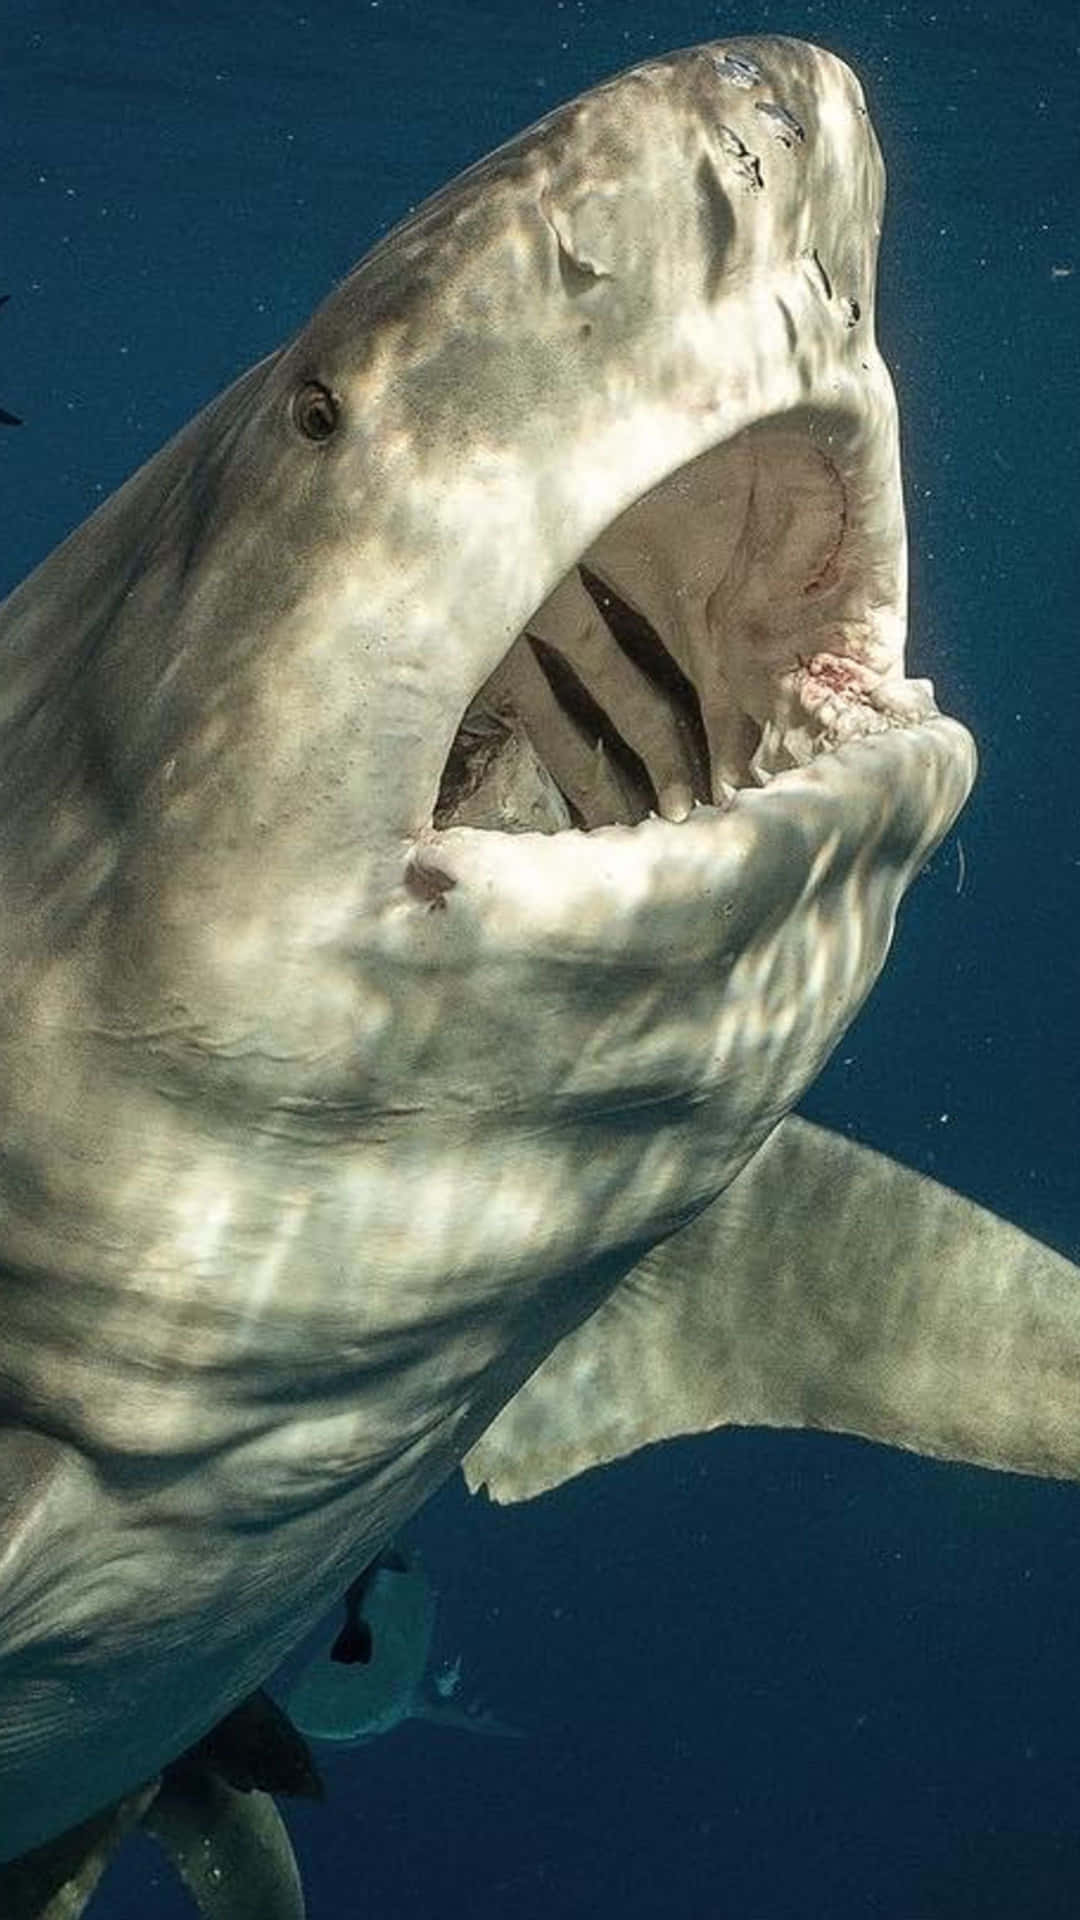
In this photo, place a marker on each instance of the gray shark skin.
(452, 800)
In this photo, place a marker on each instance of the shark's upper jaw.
(630, 355)
(700, 479)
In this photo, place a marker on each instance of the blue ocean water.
(764, 1676)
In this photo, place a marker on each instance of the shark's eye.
(315, 411)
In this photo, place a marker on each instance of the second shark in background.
(371, 1669)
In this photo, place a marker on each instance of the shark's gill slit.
(641, 644)
(597, 731)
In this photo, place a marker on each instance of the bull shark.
(452, 801)
(370, 1673)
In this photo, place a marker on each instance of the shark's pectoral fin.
(230, 1848)
(55, 1881)
(830, 1288)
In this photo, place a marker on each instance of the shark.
(371, 1672)
(453, 799)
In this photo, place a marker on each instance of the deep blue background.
(765, 1677)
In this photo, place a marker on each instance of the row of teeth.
(830, 721)
(828, 701)
(819, 708)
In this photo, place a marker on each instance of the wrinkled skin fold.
(452, 800)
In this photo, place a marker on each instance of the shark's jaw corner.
(452, 800)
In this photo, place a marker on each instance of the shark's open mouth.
(733, 624)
